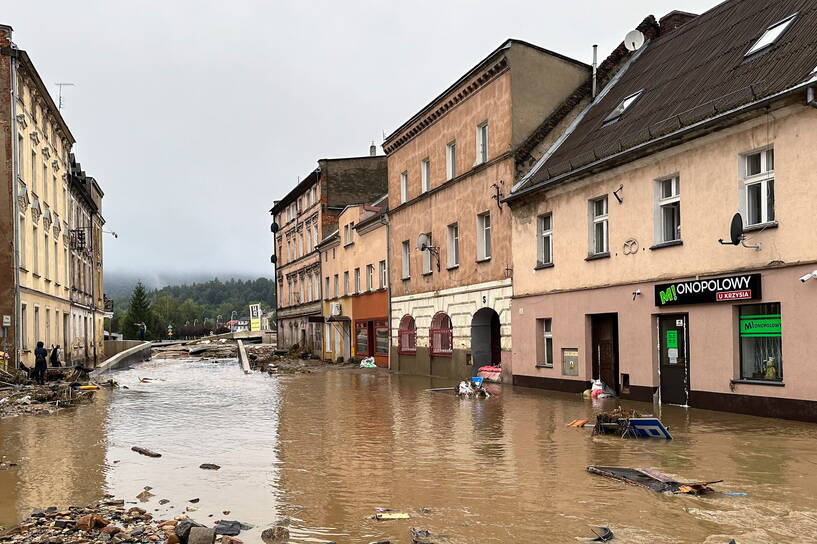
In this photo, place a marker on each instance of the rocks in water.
(89, 522)
(183, 527)
(275, 535)
(145, 496)
(145, 451)
(227, 527)
(164, 501)
(209, 466)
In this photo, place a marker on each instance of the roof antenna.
(59, 99)
(595, 59)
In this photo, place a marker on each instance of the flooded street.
(321, 451)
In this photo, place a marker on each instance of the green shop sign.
(763, 326)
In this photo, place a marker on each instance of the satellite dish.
(422, 242)
(273, 259)
(634, 40)
(274, 227)
(736, 229)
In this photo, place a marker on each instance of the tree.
(139, 311)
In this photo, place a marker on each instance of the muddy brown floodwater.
(322, 451)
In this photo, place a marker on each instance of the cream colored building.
(38, 204)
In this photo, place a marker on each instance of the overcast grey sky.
(195, 115)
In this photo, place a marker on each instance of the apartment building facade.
(354, 265)
(36, 202)
(305, 216)
(450, 166)
(619, 271)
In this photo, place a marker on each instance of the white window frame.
(544, 329)
(451, 160)
(602, 219)
(383, 275)
(369, 277)
(771, 35)
(482, 143)
(357, 280)
(453, 256)
(427, 256)
(425, 175)
(403, 186)
(346, 283)
(406, 253)
(544, 239)
(484, 246)
(662, 203)
(764, 179)
(621, 108)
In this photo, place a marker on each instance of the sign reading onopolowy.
(727, 289)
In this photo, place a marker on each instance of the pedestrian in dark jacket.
(40, 363)
(54, 358)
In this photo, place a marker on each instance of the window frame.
(407, 336)
(764, 179)
(346, 283)
(406, 260)
(362, 325)
(622, 108)
(427, 265)
(451, 160)
(484, 242)
(544, 236)
(425, 175)
(662, 203)
(753, 309)
(403, 186)
(384, 280)
(437, 332)
(369, 277)
(756, 45)
(453, 253)
(482, 143)
(357, 280)
(604, 220)
(544, 342)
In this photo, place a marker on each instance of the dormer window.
(771, 35)
(619, 110)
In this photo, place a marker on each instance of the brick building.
(304, 217)
(450, 166)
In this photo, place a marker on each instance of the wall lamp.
(636, 293)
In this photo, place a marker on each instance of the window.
(346, 283)
(451, 160)
(598, 226)
(482, 143)
(46, 253)
(383, 278)
(758, 182)
(34, 172)
(484, 236)
(442, 337)
(771, 35)
(407, 336)
(425, 175)
(453, 245)
(35, 251)
(668, 211)
(406, 260)
(619, 110)
(544, 344)
(403, 187)
(427, 256)
(56, 262)
(381, 338)
(45, 183)
(369, 277)
(761, 355)
(347, 234)
(362, 338)
(20, 156)
(54, 191)
(24, 326)
(544, 230)
(36, 324)
(326, 288)
(336, 291)
(357, 280)
(22, 242)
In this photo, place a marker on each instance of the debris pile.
(18, 400)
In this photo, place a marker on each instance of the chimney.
(675, 19)
(372, 150)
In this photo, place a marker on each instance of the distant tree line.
(192, 310)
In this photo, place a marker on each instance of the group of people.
(41, 360)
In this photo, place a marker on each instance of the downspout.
(386, 222)
(15, 169)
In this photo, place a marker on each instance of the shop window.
(407, 339)
(381, 339)
(441, 333)
(761, 353)
(362, 338)
(544, 344)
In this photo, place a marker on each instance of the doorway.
(673, 359)
(604, 333)
(486, 346)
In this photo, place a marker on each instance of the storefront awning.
(336, 318)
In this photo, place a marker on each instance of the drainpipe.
(15, 169)
(388, 282)
(810, 99)
(595, 67)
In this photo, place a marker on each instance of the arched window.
(441, 334)
(407, 340)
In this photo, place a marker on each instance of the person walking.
(54, 358)
(40, 364)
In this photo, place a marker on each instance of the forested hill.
(223, 296)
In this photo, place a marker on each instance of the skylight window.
(771, 35)
(621, 108)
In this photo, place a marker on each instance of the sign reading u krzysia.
(727, 289)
